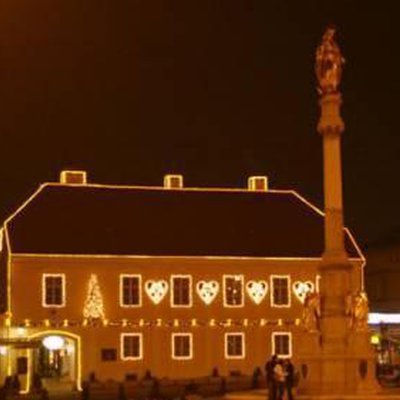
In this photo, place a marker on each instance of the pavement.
(383, 394)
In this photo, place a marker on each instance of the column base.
(349, 371)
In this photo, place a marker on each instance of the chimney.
(257, 183)
(173, 181)
(73, 177)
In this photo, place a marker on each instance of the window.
(182, 346)
(280, 293)
(53, 290)
(130, 290)
(131, 346)
(234, 345)
(108, 354)
(233, 290)
(181, 293)
(282, 344)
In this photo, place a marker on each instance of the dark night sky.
(215, 90)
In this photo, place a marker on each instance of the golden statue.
(328, 63)
(357, 309)
(311, 312)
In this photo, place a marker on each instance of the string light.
(93, 308)
(159, 322)
(301, 289)
(207, 291)
(156, 290)
(257, 290)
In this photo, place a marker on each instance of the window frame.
(122, 347)
(272, 291)
(224, 287)
(121, 290)
(44, 290)
(171, 283)
(182, 334)
(290, 343)
(242, 335)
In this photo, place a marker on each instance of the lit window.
(131, 346)
(181, 293)
(282, 344)
(233, 290)
(182, 346)
(234, 345)
(53, 290)
(280, 293)
(130, 290)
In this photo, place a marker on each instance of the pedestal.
(347, 373)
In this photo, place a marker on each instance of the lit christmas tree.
(93, 308)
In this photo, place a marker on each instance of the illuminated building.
(117, 280)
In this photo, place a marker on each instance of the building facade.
(118, 282)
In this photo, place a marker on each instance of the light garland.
(274, 302)
(301, 289)
(156, 290)
(125, 336)
(175, 336)
(181, 278)
(45, 277)
(93, 308)
(122, 277)
(207, 291)
(277, 335)
(230, 335)
(237, 280)
(159, 322)
(257, 290)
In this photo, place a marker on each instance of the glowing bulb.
(53, 342)
(3, 350)
(21, 331)
(375, 339)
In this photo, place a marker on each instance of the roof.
(115, 220)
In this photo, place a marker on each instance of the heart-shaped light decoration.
(301, 289)
(257, 290)
(207, 291)
(156, 290)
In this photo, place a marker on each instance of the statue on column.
(311, 312)
(357, 309)
(328, 64)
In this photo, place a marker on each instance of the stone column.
(336, 358)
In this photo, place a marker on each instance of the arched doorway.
(57, 360)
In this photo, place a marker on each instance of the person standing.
(290, 378)
(280, 379)
(270, 377)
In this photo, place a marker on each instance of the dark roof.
(90, 219)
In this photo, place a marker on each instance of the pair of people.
(280, 378)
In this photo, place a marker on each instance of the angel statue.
(357, 309)
(328, 63)
(311, 312)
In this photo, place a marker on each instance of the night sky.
(214, 90)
